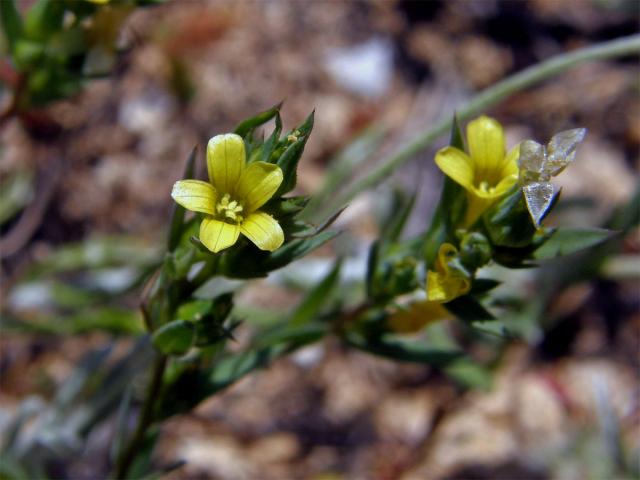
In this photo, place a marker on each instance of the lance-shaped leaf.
(245, 127)
(566, 241)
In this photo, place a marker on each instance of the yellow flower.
(446, 283)
(487, 172)
(99, 2)
(231, 200)
(417, 316)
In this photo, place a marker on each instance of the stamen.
(229, 209)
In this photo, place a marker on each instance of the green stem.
(144, 421)
(487, 98)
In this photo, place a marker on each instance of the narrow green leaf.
(174, 338)
(566, 241)
(483, 285)
(405, 350)
(247, 263)
(372, 268)
(177, 218)
(246, 126)
(456, 139)
(317, 299)
(308, 333)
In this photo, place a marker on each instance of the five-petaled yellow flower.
(231, 200)
(487, 172)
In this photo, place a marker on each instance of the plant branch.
(615, 48)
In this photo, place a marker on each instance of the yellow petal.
(417, 316)
(258, 183)
(263, 230)
(195, 195)
(476, 206)
(444, 288)
(486, 148)
(505, 185)
(445, 253)
(457, 165)
(510, 164)
(225, 162)
(217, 235)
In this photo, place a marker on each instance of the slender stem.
(487, 98)
(144, 421)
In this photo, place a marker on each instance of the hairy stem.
(487, 98)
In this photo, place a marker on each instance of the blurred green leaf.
(317, 298)
(404, 350)
(121, 429)
(565, 241)
(191, 386)
(470, 374)
(43, 18)
(174, 338)
(11, 22)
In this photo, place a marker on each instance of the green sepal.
(269, 146)
(286, 207)
(245, 127)
(288, 161)
(174, 338)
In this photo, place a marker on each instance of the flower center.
(485, 187)
(229, 209)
